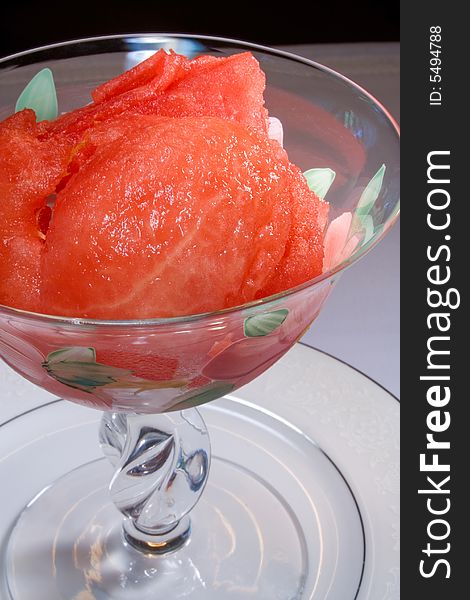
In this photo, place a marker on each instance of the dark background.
(31, 24)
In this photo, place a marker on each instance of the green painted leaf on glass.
(72, 353)
(86, 376)
(371, 193)
(362, 220)
(378, 230)
(368, 228)
(320, 180)
(212, 391)
(263, 323)
(40, 95)
(76, 367)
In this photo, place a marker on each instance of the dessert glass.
(148, 376)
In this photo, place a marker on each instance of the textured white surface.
(360, 323)
(357, 424)
(351, 418)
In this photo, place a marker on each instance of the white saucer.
(310, 419)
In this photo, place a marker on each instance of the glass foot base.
(69, 544)
(276, 521)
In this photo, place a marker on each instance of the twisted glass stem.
(161, 465)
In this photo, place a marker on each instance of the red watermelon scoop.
(168, 198)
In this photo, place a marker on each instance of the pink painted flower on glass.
(338, 246)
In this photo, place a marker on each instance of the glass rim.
(329, 274)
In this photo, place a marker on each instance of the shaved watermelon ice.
(167, 195)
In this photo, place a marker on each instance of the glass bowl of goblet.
(148, 376)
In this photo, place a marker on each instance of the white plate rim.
(367, 422)
(292, 391)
